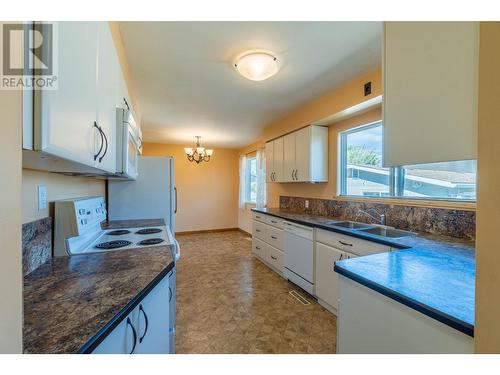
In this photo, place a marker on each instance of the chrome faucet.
(380, 219)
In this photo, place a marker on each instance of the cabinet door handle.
(106, 149)
(274, 258)
(170, 294)
(102, 140)
(133, 333)
(147, 323)
(274, 237)
(296, 172)
(345, 243)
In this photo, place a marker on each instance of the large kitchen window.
(251, 183)
(362, 174)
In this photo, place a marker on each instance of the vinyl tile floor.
(230, 302)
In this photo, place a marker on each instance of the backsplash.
(36, 243)
(447, 222)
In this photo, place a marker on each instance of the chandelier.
(198, 153)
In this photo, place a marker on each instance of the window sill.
(429, 203)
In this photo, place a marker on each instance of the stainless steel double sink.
(378, 230)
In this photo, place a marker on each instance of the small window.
(361, 171)
(251, 186)
(362, 174)
(449, 180)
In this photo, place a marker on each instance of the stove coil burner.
(118, 232)
(148, 231)
(151, 241)
(113, 244)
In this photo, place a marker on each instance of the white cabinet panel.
(153, 320)
(259, 217)
(259, 230)
(369, 322)
(350, 244)
(302, 154)
(430, 92)
(274, 221)
(108, 70)
(121, 340)
(275, 258)
(259, 248)
(326, 277)
(270, 161)
(288, 157)
(65, 117)
(278, 159)
(274, 236)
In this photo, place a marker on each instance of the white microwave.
(128, 145)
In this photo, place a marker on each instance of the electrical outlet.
(42, 197)
(307, 203)
(368, 88)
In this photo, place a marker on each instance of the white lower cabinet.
(267, 240)
(259, 248)
(146, 330)
(326, 278)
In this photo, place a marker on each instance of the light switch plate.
(42, 197)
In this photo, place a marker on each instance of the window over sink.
(361, 172)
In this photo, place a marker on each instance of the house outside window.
(251, 183)
(361, 172)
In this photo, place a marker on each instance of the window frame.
(396, 174)
(248, 180)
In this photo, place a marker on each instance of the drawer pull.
(257, 230)
(274, 258)
(274, 237)
(258, 248)
(257, 217)
(345, 243)
(274, 222)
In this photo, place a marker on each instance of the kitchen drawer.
(275, 258)
(274, 237)
(259, 248)
(259, 230)
(350, 244)
(274, 221)
(258, 216)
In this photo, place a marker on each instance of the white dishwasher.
(299, 255)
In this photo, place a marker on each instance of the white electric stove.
(78, 230)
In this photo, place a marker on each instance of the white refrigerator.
(151, 196)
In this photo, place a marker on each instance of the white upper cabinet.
(274, 160)
(77, 121)
(65, 117)
(108, 72)
(305, 155)
(430, 74)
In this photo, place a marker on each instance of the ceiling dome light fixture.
(198, 153)
(257, 65)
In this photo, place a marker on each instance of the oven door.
(130, 153)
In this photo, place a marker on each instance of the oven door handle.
(177, 254)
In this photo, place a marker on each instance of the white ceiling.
(185, 84)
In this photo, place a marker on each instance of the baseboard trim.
(245, 232)
(207, 231)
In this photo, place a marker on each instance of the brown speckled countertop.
(68, 300)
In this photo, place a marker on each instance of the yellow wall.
(207, 192)
(10, 223)
(487, 328)
(58, 187)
